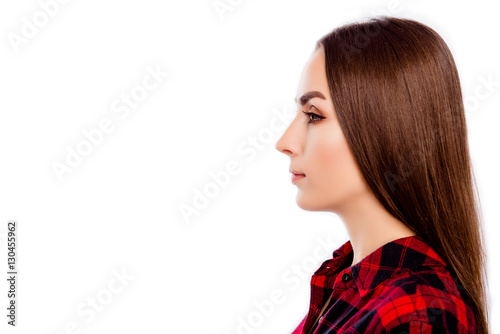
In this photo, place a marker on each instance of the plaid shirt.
(402, 287)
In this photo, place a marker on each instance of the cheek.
(331, 163)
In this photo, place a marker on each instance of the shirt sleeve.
(416, 327)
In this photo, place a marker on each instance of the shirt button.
(345, 277)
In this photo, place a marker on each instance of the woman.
(380, 139)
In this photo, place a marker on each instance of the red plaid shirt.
(402, 287)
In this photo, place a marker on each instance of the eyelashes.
(313, 118)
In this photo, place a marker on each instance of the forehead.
(313, 76)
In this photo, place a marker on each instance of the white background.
(118, 210)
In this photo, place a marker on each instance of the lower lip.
(297, 177)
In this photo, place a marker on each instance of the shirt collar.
(399, 255)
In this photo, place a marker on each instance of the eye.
(313, 118)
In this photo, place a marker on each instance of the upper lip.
(295, 172)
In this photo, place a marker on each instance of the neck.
(370, 226)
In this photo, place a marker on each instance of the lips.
(294, 172)
(296, 176)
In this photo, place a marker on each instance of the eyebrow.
(309, 95)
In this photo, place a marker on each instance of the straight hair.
(397, 95)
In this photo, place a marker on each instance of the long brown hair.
(397, 95)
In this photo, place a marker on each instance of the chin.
(308, 204)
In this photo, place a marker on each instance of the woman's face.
(317, 147)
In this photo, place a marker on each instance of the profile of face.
(318, 148)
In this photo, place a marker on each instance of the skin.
(333, 181)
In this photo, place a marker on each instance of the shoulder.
(423, 300)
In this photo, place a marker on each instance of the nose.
(281, 147)
(284, 145)
(291, 140)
